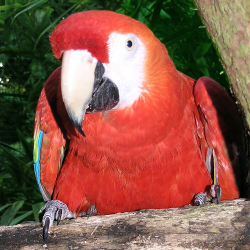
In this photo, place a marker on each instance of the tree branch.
(224, 226)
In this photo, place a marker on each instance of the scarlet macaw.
(154, 136)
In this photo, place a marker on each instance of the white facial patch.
(126, 66)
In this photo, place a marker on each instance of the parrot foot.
(91, 211)
(54, 210)
(200, 199)
(216, 192)
(213, 192)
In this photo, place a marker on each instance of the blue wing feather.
(36, 154)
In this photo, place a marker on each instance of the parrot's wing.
(223, 134)
(49, 141)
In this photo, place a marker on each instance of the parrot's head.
(112, 62)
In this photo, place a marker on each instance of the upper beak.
(77, 83)
(83, 87)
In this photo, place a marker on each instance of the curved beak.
(84, 89)
(77, 84)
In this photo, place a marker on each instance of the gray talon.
(59, 216)
(216, 192)
(54, 210)
(46, 228)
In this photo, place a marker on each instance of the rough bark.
(223, 226)
(228, 23)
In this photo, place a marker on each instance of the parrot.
(118, 128)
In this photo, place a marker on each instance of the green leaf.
(28, 25)
(9, 147)
(30, 6)
(13, 159)
(4, 176)
(9, 7)
(33, 96)
(20, 218)
(3, 17)
(156, 13)
(7, 31)
(45, 19)
(39, 14)
(3, 207)
(36, 208)
(202, 49)
(202, 66)
(182, 33)
(137, 9)
(164, 14)
(10, 213)
(27, 146)
(59, 18)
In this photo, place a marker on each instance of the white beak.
(77, 83)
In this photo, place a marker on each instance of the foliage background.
(26, 61)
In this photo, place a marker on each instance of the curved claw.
(218, 200)
(218, 193)
(59, 216)
(54, 209)
(46, 228)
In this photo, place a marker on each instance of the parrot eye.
(130, 44)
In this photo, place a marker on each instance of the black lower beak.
(105, 95)
(105, 98)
